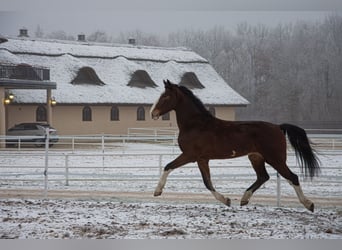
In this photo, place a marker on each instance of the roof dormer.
(190, 80)
(141, 79)
(87, 75)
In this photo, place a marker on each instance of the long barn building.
(103, 88)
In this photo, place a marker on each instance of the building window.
(41, 115)
(141, 113)
(166, 117)
(212, 111)
(114, 114)
(86, 113)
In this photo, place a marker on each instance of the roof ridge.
(109, 57)
(89, 43)
(54, 48)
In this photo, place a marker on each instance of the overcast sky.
(154, 16)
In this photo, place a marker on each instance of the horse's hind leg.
(258, 163)
(292, 179)
(204, 168)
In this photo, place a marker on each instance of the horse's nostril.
(155, 114)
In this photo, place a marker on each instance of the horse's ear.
(167, 84)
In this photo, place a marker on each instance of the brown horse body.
(203, 137)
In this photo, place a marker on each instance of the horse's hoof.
(312, 207)
(157, 193)
(309, 205)
(227, 202)
(243, 203)
(245, 198)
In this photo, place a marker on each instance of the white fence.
(173, 132)
(141, 171)
(103, 141)
(151, 135)
(88, 162)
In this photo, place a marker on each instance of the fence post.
(66, 170)
(160, 165)
(278, 190)
(47, 133)
(124, 145)
(103, 149)
(333, 144)
(73, 144)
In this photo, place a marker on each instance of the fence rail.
(139, 172)
(93, 167)
(104, 161)
(73, 142)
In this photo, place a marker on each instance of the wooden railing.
(24, 71)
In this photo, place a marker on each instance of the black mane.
(198, 103)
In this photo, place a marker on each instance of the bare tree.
(39, 32)
(140, 37)
(98, 36)
(60, 35)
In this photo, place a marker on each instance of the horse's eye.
(166, 97)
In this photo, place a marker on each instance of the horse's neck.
(187, 114)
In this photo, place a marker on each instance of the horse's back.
(254, 136)
(268, 139)
(230, 139)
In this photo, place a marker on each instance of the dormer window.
(190, 80)
(141, 79)
(87, 75)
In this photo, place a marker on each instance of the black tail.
(304, 153)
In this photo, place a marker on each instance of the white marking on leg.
(162, 181)
(221, 198)
(245, 198)
(302, 198)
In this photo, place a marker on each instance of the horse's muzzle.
(155, 114)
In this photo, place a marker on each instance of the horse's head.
(166, 102)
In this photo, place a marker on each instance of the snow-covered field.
(126, 218)
(46, 219)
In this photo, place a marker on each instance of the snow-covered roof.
(113, 65)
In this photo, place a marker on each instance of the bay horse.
(203, 137)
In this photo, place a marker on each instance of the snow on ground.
(49, 219)
(108, 217)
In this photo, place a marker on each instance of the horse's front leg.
(178, 162)
(162, 181)
(203, 165)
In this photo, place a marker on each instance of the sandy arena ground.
(110, 215)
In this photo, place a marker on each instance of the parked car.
(31, 133)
